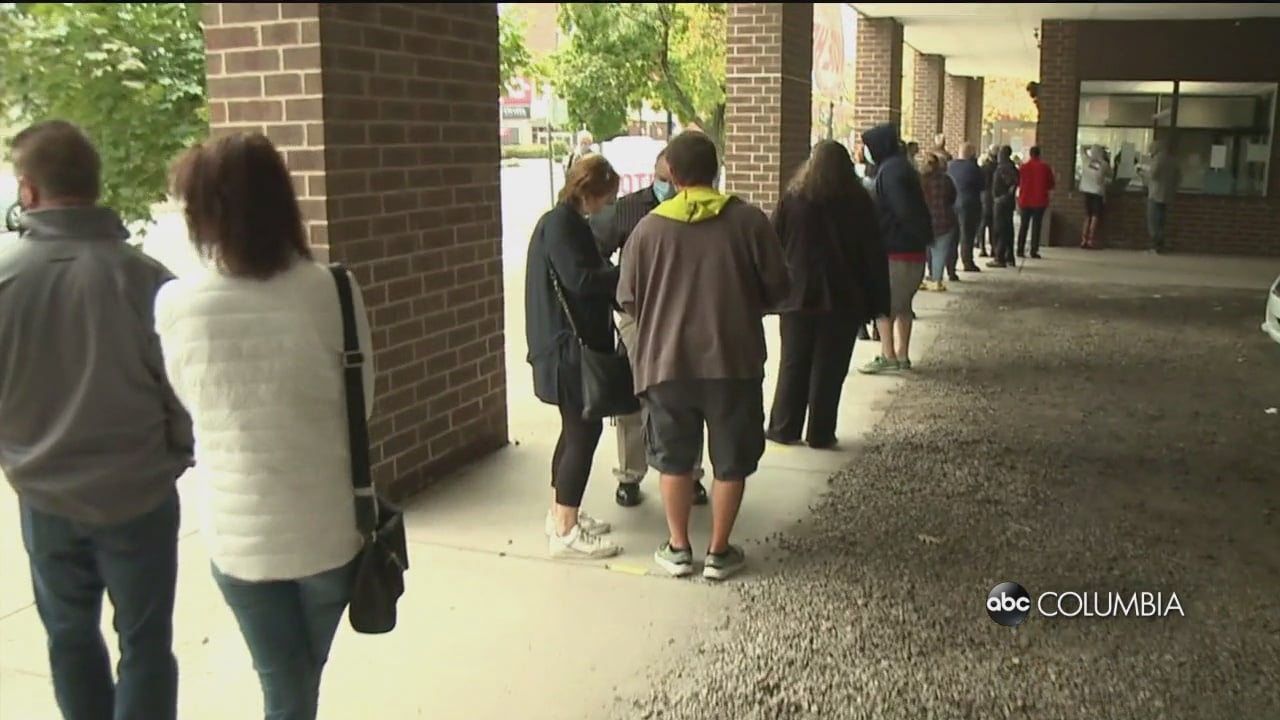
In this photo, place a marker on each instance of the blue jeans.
(289, 626)
(136, 563)
(1157, 212)
(937, 255)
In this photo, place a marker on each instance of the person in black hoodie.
(905, 230)
(569, 289)
(1004, 193)
(839, 281)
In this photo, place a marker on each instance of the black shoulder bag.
(384, 556)
(608, 387)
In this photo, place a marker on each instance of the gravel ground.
(1065, 437)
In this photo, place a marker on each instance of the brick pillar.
(955, 112)
(974, 104)
(878, 73)
(769, 74)
(1056, 128)
(930, 91)
(388, 117)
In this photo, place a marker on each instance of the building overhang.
(1002, 39)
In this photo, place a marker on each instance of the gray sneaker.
(677, 563)
(721, 566)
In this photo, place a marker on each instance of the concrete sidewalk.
(491, 628)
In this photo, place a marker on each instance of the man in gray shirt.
(92, 438)
(1162, 177)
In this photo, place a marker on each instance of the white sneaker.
(585, 521)
(581, 544)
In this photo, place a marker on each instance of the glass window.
(1219, 133)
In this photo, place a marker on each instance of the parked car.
(1271, 316)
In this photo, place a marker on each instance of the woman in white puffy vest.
(253, 347)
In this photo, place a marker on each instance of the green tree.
(620, 55)
(131, 74)
(514, 59)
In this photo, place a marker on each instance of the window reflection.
(1220, 133)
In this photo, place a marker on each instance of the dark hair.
(240, 206)
(828, 173)
(59, 160)
(1034, 151)
(590, 177)
(693, 159)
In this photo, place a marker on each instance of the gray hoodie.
(89, 427)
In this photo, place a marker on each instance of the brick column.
(388, 117)
(974, 101)
(1056, 128)
(930, 91)
(878, 73)
(769, 94)
(955, 112)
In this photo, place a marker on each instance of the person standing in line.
(1004, 189)
(906, 230)
(940, 198)
(1035, 182)
(967, 177)
(1095, 176)
(253, 344)
(986, 233)
(568, 302)
(92, 437)
(839, 282)
(940, 148)
(585, 146)
(612, 226)
(1162, 177)
(698, 275)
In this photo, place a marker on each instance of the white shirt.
(258, 366)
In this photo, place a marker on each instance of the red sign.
(632, 182)
(519, 93)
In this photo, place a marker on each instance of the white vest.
(258, 366)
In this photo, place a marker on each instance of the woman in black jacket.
(839, 281)
(565, 273)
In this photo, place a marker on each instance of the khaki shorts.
(905, 277)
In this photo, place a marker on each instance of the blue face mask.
(663, 190)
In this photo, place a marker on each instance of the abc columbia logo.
(1010, 604)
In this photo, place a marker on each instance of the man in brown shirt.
(698, 275)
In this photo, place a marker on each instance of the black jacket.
(613, 225)
(562, 243)
(905, 227)
(834, 254)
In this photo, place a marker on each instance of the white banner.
(633, 158)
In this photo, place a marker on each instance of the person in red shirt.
(1036, 181)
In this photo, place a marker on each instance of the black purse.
(384, 557)
(608, 387)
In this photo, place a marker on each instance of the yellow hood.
(694, 205)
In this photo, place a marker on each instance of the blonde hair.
(589, 178)
(929, 161)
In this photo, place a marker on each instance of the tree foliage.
(514, 59)
(1006, 98)
(620, 55)
(131, 74)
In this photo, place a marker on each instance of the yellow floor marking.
(628, 569)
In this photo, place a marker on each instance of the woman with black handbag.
(254, 348)
(569, 291)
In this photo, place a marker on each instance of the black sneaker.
(699, 494)
(628, 494)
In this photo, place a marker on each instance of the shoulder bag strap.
(564, 304)
(357, 427)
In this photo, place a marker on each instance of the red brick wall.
(388, 117)
(955, 112)
(878, 73)
(930, 92)
(1226, 51)
(769, 62)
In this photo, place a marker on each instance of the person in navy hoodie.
(968, 179)
(906, 230)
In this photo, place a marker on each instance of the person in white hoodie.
(253, 347)
(1094, 178)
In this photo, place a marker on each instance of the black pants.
(1032, 218)
(970, 216)
(986, 229)
(571, 461)
(1002, 242)
(816, 351)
